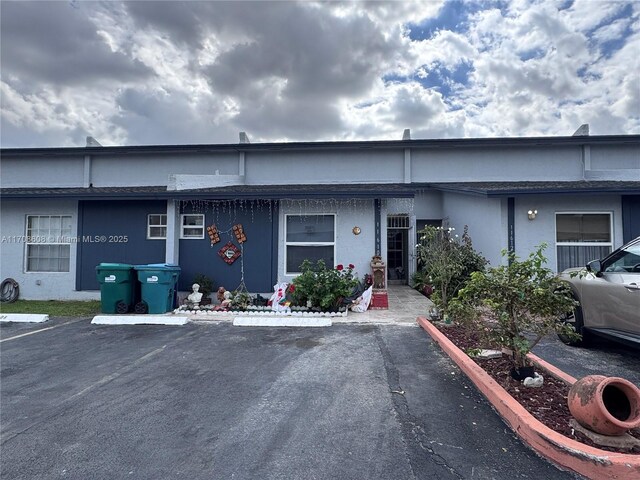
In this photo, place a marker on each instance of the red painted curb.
(591, 462)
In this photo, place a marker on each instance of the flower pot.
(605, 405)
(522, 373)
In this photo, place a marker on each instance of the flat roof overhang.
(236, 192)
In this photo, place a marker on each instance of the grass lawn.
(53, 308)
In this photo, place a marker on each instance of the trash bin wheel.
(141, 308)
(122, 307)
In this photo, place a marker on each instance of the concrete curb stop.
(591, 462)
(24, 317)
(139, 320)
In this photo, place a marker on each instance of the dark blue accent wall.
(630, 217)
(260, 226)
(114, 220)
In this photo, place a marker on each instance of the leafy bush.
(516, 304)
(206, 285)
(445, 261)
(321, 286)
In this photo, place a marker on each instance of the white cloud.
(165, 72)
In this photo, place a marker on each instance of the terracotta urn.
(605, 405)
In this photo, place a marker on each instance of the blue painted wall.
(114, 219)
(630, 217)
(260, 250)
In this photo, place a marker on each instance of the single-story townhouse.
(65, 210)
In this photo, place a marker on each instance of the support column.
(172, 251)
(511, 228)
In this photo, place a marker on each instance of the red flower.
(292, 288)
(352, 266)
(340, 267)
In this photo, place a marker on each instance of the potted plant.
(516, 304)
(206, 287)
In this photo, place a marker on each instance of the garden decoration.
(239, 233)
(605, 405)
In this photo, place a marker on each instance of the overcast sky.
(132, 73)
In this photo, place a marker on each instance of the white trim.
(309, 244)
(149, 237)
(182, 226)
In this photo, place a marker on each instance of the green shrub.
(322, 287)
(206, 285)
(445, 261)
(516, 304)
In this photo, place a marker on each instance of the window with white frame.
(192, 226)
(582, 237)
(157, 226)
(309, 237)
(48, 243)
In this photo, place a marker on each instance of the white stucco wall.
(530, 233)
(53, 285)
(350, 248)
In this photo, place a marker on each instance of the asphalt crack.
(410, 425)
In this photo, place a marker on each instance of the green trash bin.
(117, 286)
(158, 283)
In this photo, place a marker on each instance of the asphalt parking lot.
(218, 402)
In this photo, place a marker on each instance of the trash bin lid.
(115, 266)
(157, 266)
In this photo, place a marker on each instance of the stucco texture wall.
(486, 219)
(350, 248)
(530, 233)
(53, 285)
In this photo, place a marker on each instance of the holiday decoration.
(214, 236)
(239, 233)
(229, 253)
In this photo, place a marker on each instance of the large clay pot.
(605, 405)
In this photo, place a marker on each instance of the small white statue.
(195, 297)
(227, 299)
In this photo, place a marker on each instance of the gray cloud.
(56, 43)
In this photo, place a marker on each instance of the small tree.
(447, 261)
(522, 301)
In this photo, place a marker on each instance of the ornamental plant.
(516, 304)
(322, 287)
(446, 262)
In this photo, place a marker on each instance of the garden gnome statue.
(194, 297)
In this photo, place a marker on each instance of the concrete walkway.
(405, 305)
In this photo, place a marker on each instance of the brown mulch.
(548, 403)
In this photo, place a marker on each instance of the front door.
(397, 255)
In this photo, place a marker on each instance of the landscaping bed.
(548, 403)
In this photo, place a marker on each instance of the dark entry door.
(630, 217)
(397, 255)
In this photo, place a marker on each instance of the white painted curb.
(281, 322)
(23, 317)
(139, 320)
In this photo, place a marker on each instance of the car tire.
(576, 319)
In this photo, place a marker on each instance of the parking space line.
(40, 330)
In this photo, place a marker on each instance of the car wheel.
(574, 318)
